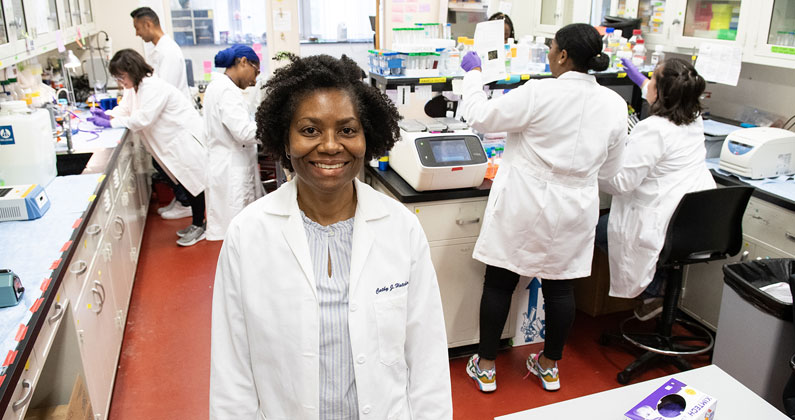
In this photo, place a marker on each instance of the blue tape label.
(6, 135)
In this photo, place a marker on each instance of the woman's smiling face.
(327, 144)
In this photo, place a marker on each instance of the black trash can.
(756, 338)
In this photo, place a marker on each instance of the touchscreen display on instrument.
(450, 150)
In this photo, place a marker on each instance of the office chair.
(706, 226)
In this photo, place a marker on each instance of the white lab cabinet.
(83, 332)
(716, 21)
(551, 15)
(772, 39)
(452, 228)
(28, 27)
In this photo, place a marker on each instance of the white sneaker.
(177, 212)
(193, 235)
(167, 207)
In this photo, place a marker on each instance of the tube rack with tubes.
(387, 63)
(785, 39)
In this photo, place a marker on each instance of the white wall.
(770, 89)
(357, 51)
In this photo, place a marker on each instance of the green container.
(727, 34)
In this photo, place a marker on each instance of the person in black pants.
(496, 303)
(564, 133)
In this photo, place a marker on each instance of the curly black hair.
(292, 83)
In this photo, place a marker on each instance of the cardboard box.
(674, 400)
(79, 407)
(80, 403)
(528, 302)
(49, 413)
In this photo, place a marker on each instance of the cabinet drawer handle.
(790, 236)
(120, 226)
(58, 313)
(28, 387)
(101, 287)
(94, 229)
(79, 267)
(99, 302)
(460, 222)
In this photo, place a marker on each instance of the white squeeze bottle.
(657, 56)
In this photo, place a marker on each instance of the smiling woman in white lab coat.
(563, 133)
(325, 304)
(171, 130)
(664, 160)
(233, 181)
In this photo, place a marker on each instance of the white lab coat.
(171, 129)
(544, 203)
(662, 163)
(169, 64)
(233, 181)
(265, 326)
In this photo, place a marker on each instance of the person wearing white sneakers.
(564, 133)
(169, 64)
(170, 129)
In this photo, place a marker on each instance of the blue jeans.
(657, 286)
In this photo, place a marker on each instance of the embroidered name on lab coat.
(391, 287)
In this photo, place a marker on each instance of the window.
(196, 22)
(324, 19)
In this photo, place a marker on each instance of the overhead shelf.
(445, 84)
(468, 6)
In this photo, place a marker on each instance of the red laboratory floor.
(164, 366)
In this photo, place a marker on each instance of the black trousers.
(197, 208)
(495, 304)
(180, 193)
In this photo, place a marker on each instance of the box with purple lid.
(674, 401)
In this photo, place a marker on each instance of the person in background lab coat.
(233, 181)
(171, 130)
(563, 134)
(169, 64)
(325, 304)
(663, 161)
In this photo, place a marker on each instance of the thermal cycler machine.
(23, 202)
(430, 160)
(759, 152)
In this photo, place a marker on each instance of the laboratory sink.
(71, 163)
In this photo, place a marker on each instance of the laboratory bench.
(85, 248)
(452, 220)
(445, 83)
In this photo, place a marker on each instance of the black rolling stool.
(706, 226)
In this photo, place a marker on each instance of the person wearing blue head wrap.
(233, 180)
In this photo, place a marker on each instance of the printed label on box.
(674, 400)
